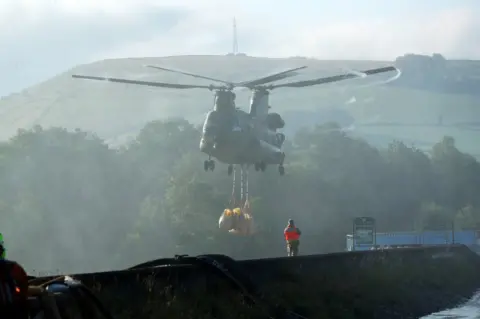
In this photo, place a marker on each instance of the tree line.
(435, 73)
(68, 202)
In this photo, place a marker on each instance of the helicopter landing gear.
(230, 170)
(209, 165)
(260, 166)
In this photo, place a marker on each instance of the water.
(469, 310)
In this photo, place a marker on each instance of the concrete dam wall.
(396, 283)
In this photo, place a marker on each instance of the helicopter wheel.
(262, 166)
(230, 170)
(281, 170)
(209, 165)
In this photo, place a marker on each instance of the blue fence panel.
(465, 237)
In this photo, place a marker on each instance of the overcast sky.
(40, 38)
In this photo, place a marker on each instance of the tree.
(86, 206)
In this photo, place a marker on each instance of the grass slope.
(113, 110)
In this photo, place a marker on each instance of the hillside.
(112, 110)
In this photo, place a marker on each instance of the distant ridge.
(111, 110)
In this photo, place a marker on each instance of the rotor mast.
(224, 100)
(259, 103)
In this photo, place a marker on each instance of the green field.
(111, 109)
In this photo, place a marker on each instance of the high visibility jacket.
(291, 233)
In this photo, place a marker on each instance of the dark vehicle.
(64, 298)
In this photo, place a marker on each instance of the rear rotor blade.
(189, 74)
(145, 83)
(270, 78)
(334, 78)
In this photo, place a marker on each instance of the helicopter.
(234, 136)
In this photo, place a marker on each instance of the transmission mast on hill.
(235, 41)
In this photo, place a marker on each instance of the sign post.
(364, 232)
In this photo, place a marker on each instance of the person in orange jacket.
(292, 237)
(13, 287)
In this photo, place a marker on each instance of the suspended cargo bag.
(243, 223)
(237, 221)
(226, 221)
(249, 225)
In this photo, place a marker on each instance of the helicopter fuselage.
(234, 138)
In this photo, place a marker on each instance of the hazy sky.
(40, 38)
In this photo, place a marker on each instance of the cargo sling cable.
(243, 187)
(246, 203)
(233, 199)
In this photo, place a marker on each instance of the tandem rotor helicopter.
(232, 135)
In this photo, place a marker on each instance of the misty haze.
(99, 176)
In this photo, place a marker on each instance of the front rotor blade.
(189, 74)
(334, 78)
(146, 83)
(270, 78)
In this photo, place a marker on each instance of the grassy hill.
(113, 110)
